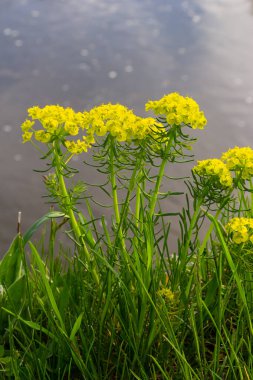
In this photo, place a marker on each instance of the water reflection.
(82, 53)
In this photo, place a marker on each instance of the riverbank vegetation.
(121, 302)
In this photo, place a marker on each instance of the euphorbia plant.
(120, 140)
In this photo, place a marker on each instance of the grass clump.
(124, 305)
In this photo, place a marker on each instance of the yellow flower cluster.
(241, 230)
(61, 122)
(178, 110)
(240, 160)
(79, 146)
(120, 122)
(167, 294)
(57, 121)
(214, 168)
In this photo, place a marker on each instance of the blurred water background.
(82, 53)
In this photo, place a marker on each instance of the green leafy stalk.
(233, 269)
(70, 212)
(153, 200)
(115, 195)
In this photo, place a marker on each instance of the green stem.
(70, 212)
(210, 229)
(191, 227)
(154, 197)
(115, 197)
(137, 204)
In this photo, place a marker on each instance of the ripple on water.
(84, 52)
(7, 128)
(35, 13)
(18, 43)
(112, 74)
(249, 99)
(17, 157)
(8, 32)
(128, 68)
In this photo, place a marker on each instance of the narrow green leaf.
(11, 264)
(232, 267)
(50, 295)
(31, 324)
(76, 327)
(16, 293)
(52, 214)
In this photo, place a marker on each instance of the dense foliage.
(123, 304)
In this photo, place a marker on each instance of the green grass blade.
(232, 267)
(11, 264)
(76, 327)
(52, 214)
(33, 325)
(50, 295)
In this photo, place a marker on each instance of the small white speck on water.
(196, 18)
(129, 69)
(112, 74)
(17, 157)
(84, 52)
(18, 43)
(35, 13)
(65, 87)
(249, 99)
(7, 128)
(7, 31)
(11, 32)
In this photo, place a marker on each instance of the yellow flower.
(178, 110)
(58, 121)
(27, 125)
(34, 112)
(77, 147)
(240, 160)
(27, 136)
(42, 136)
(50, 125)
(118, 120)
(71, 128)
(241, 230)
(215, 169)
(167, 294)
